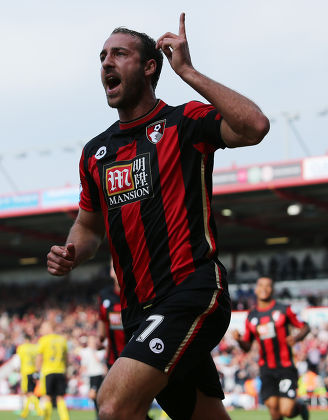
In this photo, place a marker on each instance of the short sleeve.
(202, 126)
(248, 334)
(89, 194)
(102, 313)
(294, 318)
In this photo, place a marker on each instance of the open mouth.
(112, 82)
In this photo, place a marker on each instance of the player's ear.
(150, 67)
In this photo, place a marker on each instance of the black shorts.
(176, 337)
(31, 382)
(55, 384)
(280, 382)
(96, 381)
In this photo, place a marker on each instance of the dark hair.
(27, 336)
(148, 50)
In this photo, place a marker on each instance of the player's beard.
(131, 92)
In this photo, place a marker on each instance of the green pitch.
(235, 415)
(263, 415)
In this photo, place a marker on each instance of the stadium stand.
(257, 235)
(78, 319)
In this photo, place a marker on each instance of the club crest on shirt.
(155, 131)
(275, 315)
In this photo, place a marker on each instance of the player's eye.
(102, 57)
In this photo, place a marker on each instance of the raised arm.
(243, 122)
(83, 240)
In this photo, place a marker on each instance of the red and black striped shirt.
(152, 180)
(110, 314)
(270, 327)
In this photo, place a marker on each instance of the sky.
(52, 101)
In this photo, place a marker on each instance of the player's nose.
(108, 62)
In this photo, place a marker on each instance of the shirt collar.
(144, 118)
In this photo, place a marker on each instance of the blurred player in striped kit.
(269, 324)
(110, 328)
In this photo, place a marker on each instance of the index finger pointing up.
(182, 28)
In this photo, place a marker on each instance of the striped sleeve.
(294, 318)
(89, 195)
(202, 124)
(102, 313)
(248, 334)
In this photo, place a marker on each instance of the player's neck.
(264, 304)
(143, 107)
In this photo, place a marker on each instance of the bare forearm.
(82, 243)
(243, 123)
(303, 332)
(244, 345)
(38, 362)
(85, 240)
(242, 115)
(101, 330)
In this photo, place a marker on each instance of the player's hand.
(36, 376)
(290, 340)
(100, 344)
(236, 335)
(60, 259)
(176, 48)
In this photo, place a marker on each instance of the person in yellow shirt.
(27, 352)
(51, 361)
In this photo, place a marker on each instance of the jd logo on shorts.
(291, 393)
(155, 131)
(156, 345)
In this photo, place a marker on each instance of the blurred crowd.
(74, 307)
(280, 266)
